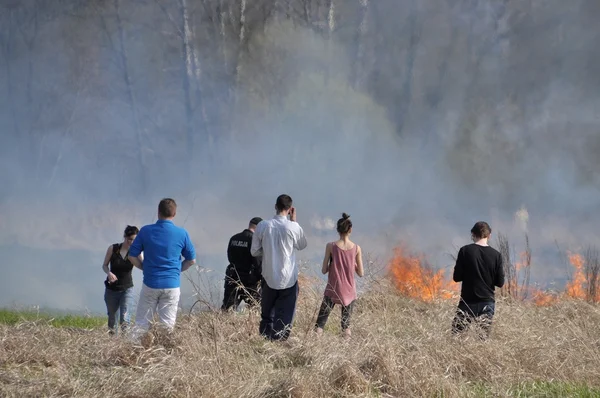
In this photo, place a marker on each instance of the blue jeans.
(118, 301)
(277, 311)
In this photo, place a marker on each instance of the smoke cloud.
(418, 124)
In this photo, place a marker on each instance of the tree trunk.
(189, 77)
(241, 39)
(330, 29)
(238, 65)
(242, 20)
(436, 95)
(33, 115)
(194, 97)
(307, 12)
(222, 33)
(405, 99)
(331, 17)
(9, 81)
(67, 131)
(30, 42)
(361, 33)
(135, 119)
(275, 14)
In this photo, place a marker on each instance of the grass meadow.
(400, 347)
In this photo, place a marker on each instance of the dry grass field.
(401, 347)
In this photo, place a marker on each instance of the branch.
(170, 17)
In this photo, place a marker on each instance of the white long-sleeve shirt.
(277, 240)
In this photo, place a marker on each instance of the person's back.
(479, 268)
(242, 275)
(238, 254)
(280, 239)
(341, 285)
(163, 244)
(276, 240)
(342, 260)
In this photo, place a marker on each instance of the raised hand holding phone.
(292, 214)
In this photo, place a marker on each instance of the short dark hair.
(344, 224)
(284, 202)
(167, 208)
(255, 221)
(131, 230)
(481, 230)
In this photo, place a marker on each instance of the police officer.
(243, 274)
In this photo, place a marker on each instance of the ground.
(400, 347)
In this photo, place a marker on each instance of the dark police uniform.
(242, 277)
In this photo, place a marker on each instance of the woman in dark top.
(118, 294)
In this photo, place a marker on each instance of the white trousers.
(163, 302)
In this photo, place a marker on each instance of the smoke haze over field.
(417, 118)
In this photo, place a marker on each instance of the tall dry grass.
(400, 347)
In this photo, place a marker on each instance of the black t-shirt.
(480, 270)
(122, 268)
(243, 266)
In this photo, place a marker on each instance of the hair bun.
(345, 216)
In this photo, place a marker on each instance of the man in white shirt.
(277, 240)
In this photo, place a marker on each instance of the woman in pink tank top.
(342, 259)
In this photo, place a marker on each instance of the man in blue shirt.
(163, 244)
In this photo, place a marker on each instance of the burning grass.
(585, 283)
(414, 277)
(400, 347)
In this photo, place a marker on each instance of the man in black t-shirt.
(479, 267)
(242, 277)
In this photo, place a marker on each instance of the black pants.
(481, 312)
(237, 290)
(277, 311)
(326, 307)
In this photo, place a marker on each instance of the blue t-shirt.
(163, 244)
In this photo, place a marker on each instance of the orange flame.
(523, 263)
(580, 287)
(542, 299)
(415, 280)
(576, 287)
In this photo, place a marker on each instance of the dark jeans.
(277, 311)
(118, 301)
(236, 291)
(326, 307)
(481, 312)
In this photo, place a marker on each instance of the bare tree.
(131, 95)
(414, 33)
(240, 50)
(361, 34)
(194, 104)
(510, 288)
(517, 274)
(191, 75)
(526, 269)
(67, 131)
(592, 274)
(8, 51)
